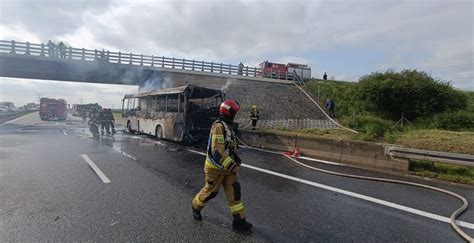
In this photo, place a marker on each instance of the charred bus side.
(183, 114)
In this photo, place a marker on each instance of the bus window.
(160, 104)
(143, 104)
(172, 104)
(150, 104)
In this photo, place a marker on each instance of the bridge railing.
(71, 53)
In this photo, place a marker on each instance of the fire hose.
(452, 218)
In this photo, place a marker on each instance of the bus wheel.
(159, 132)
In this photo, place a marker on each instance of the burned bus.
(183, 114)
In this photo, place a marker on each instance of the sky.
(345, 38)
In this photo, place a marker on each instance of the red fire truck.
(53, 109)
(284, 71)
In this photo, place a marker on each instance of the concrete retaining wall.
(365, 155)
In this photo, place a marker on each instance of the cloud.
(48, 18)
(399, 34)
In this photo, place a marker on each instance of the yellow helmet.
(254, 107)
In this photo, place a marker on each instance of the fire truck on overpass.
(285, 71)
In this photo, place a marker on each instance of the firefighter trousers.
(232, 192)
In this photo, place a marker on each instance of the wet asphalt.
(49, 193)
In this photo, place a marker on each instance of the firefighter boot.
(241, 224)
(197, 214)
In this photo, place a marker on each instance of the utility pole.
(318, 91)
(37, 98)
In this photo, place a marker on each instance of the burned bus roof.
(195, 92)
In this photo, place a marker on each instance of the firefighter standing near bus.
(254, 116)
(221, 166)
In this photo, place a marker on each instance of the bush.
(372, 126)
(457, 121)
(411, 92)
(344, 95)
(470, 100)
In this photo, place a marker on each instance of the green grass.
(438, 140)
(338, 134)
(446, 172)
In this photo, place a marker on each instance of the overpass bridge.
(43, 61)
(281, 103)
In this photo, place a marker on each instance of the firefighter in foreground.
(254, 116)
(221, 166)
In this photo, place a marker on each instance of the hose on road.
(452, 218)
(247, 126)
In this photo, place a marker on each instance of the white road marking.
(196, 152)
(19, 118)
(356, 195)
(96, 169)
(321, 161)
(125, 154)
(64, 132)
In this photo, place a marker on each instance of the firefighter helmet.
(229, 108)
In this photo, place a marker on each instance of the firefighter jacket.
(108, 116)
(102, 116)
(94, 117)
(221, 147)
(254, 114)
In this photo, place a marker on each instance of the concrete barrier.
(360, 154)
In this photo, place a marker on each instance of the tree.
(413, 93)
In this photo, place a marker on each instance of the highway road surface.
(58, 184)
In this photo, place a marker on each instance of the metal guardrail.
(434, 156)
(71, 53)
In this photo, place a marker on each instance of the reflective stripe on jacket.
(221, 147)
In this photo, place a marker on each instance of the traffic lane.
(159, 203)
(315, 214)
(40, 177)
(284, 210)
(59, 197)
(33, 121)
(410, 196)
(9, 116)
(414, 197)
(171, 150)
(464, 190)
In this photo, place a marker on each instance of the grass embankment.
(438, 140)
(441, 118)
(429, 139)
(441, 171)
(339, 134)
(118, 118)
